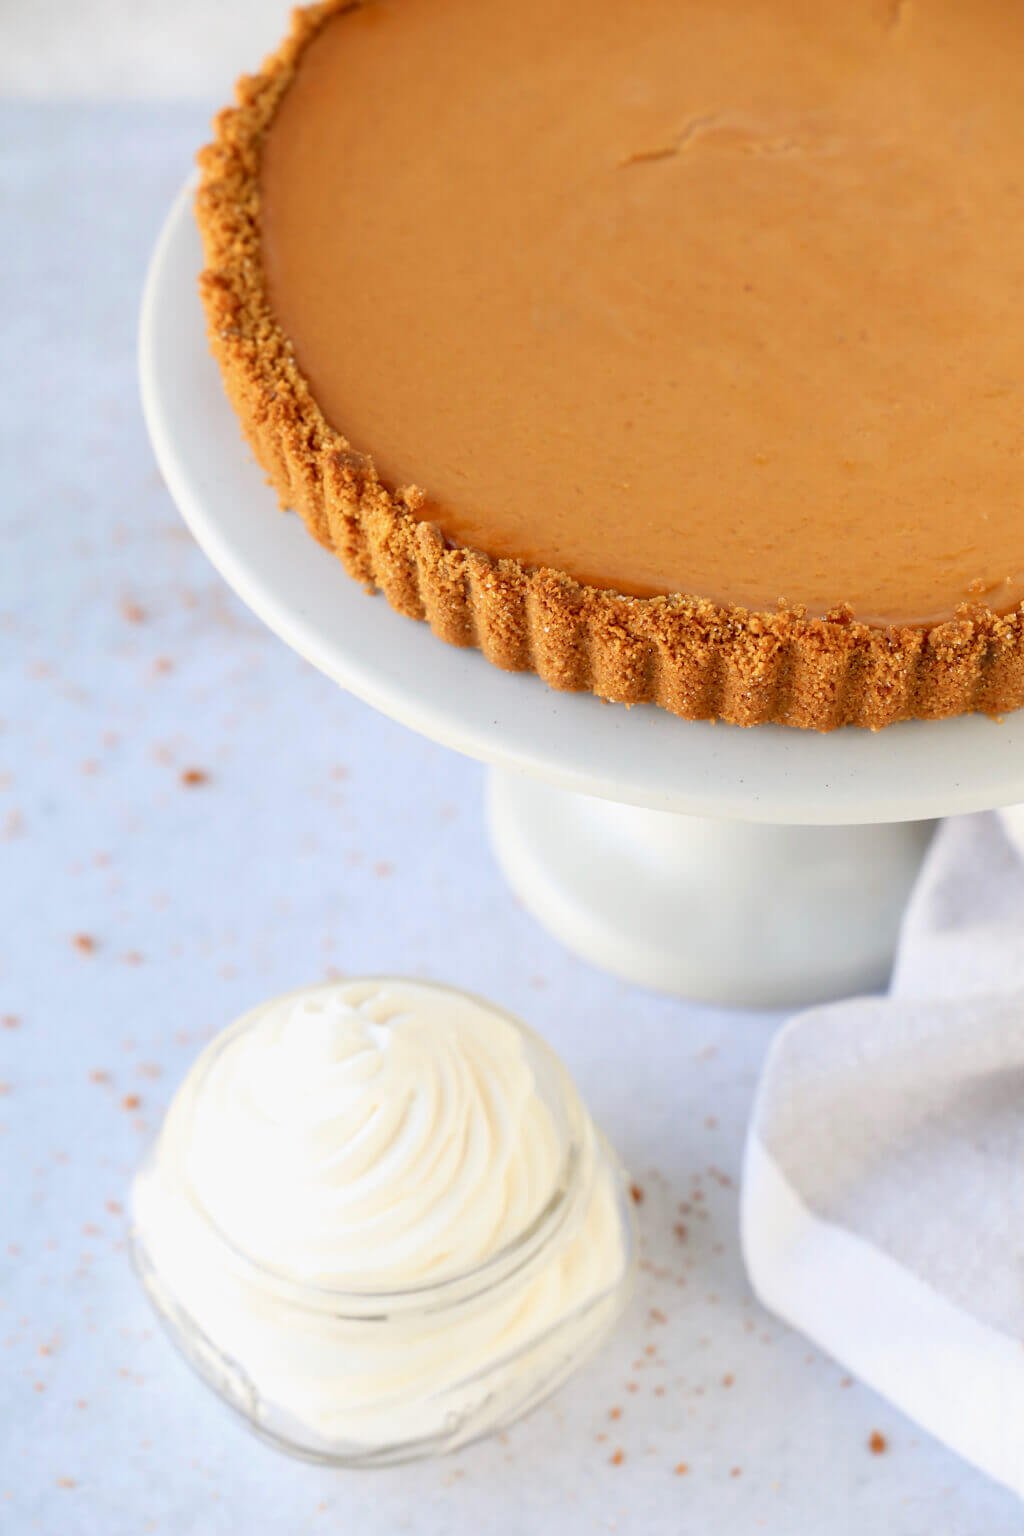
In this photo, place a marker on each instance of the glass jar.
(376, 1376)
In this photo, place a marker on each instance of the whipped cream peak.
(373, 1136)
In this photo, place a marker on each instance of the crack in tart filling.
(672, 350)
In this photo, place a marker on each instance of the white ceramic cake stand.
(766, 867)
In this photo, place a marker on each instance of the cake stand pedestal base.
(727, 912)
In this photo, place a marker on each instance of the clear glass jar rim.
(454, 1289)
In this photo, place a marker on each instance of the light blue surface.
(325, 836)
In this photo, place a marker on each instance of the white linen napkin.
(883, 1193)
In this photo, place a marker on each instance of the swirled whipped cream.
(371, 1139)
(380, 1220)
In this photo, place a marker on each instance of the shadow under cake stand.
(764, 867)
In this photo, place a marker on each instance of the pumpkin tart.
(672, 350)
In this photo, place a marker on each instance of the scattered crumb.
(193, 777)
(681, 1468)
(656, 1315)
(877, 1443)
(84, 943)
(615, 1413)
(132, 957)
(13, 826)
(99, 1075)
(735, 1471)
(617, 1458)
(10, 1021)
(636, 1194)
(66, 1482)
(163, 665)
(131, 1101)
(115, 1207)
(728, 1379)
(681, 1231)
(383, 869)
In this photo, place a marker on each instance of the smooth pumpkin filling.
(721, 297)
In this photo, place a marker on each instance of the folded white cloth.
(883, 1193)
